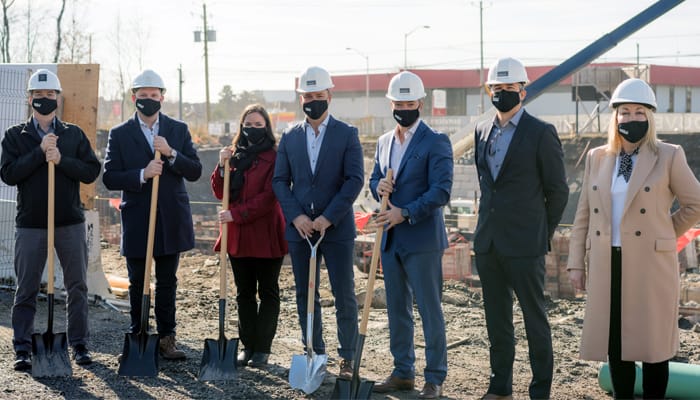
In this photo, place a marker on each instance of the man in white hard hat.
(319, 173)
(520, 164)
(27, 149)
(130, 166)
(415, 238)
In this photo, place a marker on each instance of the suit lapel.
(518, 137)
(412, 145)
(605, 178)
(324, 145)
(481, 147)
(642, 167)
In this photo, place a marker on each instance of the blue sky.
(264, 44)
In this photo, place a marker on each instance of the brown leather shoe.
(394, 383)
(430, 391)
(491, 396)
(169, 350)
(345, 370)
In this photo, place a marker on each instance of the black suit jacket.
(520, 209)
(127, 153)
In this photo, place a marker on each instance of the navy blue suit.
(128, 153)
(329, 191)
(518, 214)
(412, 251)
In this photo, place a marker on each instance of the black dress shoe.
(430, 391)
(392, 384)
(243, 358)
(23, 361)
(81, 355)
(258, 360)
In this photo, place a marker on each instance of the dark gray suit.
(518, 213)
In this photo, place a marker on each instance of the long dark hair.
(250, 109)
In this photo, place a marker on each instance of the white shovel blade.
(308, 374)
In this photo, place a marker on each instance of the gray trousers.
(30, 259)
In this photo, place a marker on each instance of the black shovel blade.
(219, 360)
(140, 355)
(345, 389)
(50, 355)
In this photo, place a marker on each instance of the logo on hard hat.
(405, 90)
(311, 83)
(501, 74)
(42, 78)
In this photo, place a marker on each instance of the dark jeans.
(259, 277)
(166, 287)
(623, 373)
(501, 276)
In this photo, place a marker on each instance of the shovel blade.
(345, 389)
(306, 373)
(140, 355)
(50, 355)
(219, 360)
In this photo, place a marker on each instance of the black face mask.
(406, 118)
(147, 107)
(254, 135)
(633, 131)
(44, 105)
(315, 109)
(505, 100)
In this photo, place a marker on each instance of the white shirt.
(314, 142)
(149, 133)
(618, 191)
(398, 149)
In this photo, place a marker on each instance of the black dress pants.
(257, 277)
(622, 373)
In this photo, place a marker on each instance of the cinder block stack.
(456, 262)
(557, 283)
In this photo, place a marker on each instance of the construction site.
(572, 95)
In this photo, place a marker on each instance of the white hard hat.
(507, 70)
(43, 79)
(633, 90)
(405, 86)
(148, 78)
(314, 79)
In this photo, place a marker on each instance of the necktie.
(626, 164)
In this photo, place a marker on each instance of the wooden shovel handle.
(151, 232)
(50, 230)
(373, 264)
(223, 263)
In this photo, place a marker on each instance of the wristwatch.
(405, 213)
(173, 154)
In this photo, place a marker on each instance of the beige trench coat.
(650, 278)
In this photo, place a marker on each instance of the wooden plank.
(80, 83)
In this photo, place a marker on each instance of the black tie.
(626, 164)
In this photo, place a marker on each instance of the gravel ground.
(197, 320)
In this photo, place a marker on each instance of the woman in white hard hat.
(623, 222)
(255, 244)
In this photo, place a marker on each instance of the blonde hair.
(649, 140)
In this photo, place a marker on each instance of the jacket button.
(638, 233)
(643, 211)
(493, 210)
(595, 187)
(595, 210)
(646, 188)
(597, 233)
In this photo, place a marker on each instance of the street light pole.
(206, 36)
(366, 57)
(405, 43)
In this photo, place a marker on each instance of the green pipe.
(683, 380)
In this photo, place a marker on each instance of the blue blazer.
(520, 209)
(331, 189)
(127, 153)
(422, 184)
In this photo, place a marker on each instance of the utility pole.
(481, 52)
(179, 85)
(206, 63)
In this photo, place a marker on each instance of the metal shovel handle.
(310, 309)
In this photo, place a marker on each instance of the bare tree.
(58, 31)
(5, 32)
(76, 41)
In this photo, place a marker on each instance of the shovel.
(50, 350)
(354, 388)
(308, 371)
(219, 358)
(140, 353)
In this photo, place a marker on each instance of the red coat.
(258, 224)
